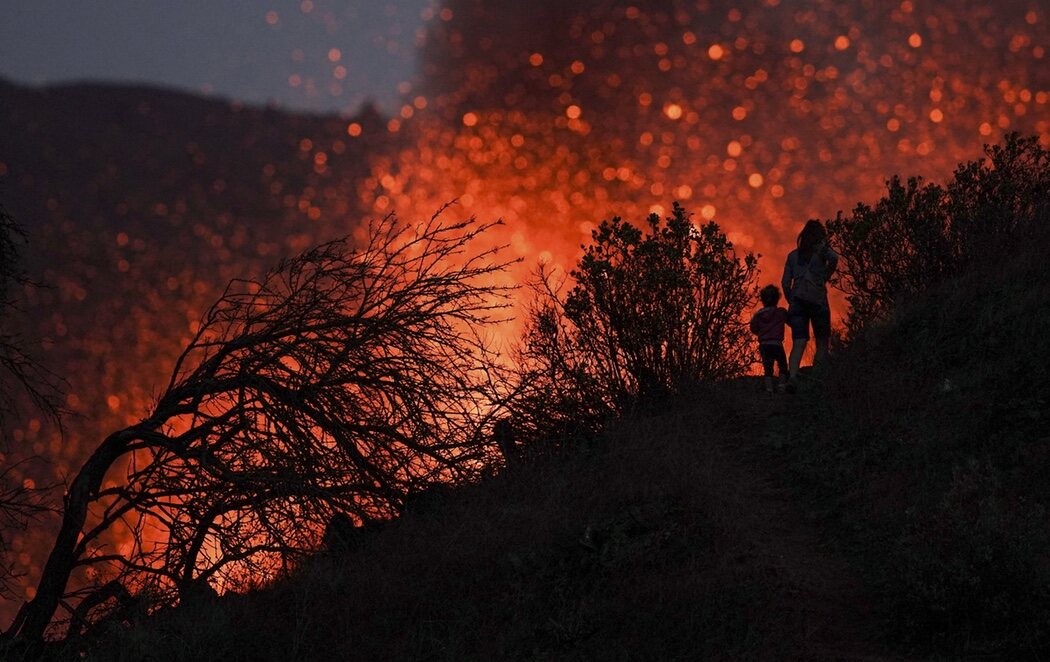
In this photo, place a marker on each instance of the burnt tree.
(343, 380)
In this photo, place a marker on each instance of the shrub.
(901, 244)
(1002, 198)
(649, 310)
(920, 233)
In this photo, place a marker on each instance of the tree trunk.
(34, 617)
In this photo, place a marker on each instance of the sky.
(317, 55)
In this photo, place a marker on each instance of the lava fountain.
(758, 114)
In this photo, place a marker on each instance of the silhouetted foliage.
(919, 233)
(649, 310)
(19, 373)
(339, 383)
(22, 379)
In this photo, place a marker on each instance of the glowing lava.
(757, 114)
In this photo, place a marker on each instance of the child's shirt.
(768, 324)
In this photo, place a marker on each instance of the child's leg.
(768, 358)
(781, 360)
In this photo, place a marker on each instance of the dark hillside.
(113, 158)
(140, 205)
(894, 509)
(666, 540)
(927, 453)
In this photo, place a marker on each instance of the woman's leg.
(798, 320)
(798, 348)
(822, 334)
(822, 349)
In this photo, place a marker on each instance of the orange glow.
(554, 127)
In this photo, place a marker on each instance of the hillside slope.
(926, 450)
(894, 509)
(666, 539)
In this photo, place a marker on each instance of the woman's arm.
(831, 262)
(785, 281)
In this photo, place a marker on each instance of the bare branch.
(340, 382)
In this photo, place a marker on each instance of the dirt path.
(826, 611)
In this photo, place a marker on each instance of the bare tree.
(338, 383)
(23, 381)
(19, 373)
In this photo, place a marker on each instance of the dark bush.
(920, 233)
(1001, 198)
(899, 245)
(649, 310)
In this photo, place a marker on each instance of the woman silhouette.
(806, 274)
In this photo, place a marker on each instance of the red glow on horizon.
(758, 116)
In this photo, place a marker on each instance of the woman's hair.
(812, 234)
(769, 295)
